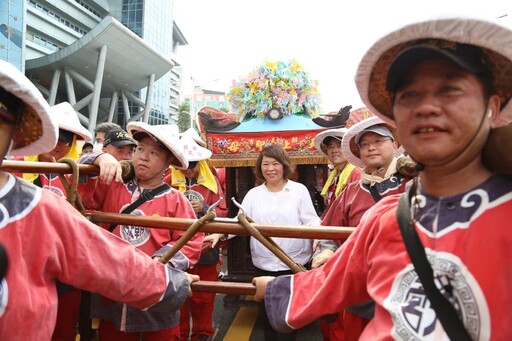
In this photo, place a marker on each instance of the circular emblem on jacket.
(414, 318)
(136, 235)
(194, 195)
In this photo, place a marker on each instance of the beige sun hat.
(193, 151)
(321, 136)
(191, 132)
(166, 134)
(36, 132)
(349, 146)
(494, 40)
(67, 119)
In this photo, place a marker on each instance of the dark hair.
(13, 105)
(192, 164)
(87, 144)
(66, 135)
(328, 140)
(107, 127)
(277, 152)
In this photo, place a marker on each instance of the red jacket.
(47, 240)
(154, 242)
(468, 242)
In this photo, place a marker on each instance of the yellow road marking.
(243, 324)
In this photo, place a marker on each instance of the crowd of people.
(429, 259)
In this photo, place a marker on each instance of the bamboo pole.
(189, 234)
(223, 226)
(46, 167)
(311, 232)
(229, 288)
(270, 244)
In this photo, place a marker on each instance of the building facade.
(35, 29)
(12, 21)
(206, 98)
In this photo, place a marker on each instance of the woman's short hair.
(277, 152)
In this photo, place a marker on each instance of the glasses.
(333, 145)
(377, 143)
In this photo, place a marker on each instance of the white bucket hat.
(67, 119)
(193, 151)
(349, 146)
(36, 132)
(320, 137)
(493, 39)
(191, 132)
(166, 134)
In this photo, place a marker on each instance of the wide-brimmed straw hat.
(192, 133)
(166, 134)
(67, 119)
(36, 132)
(493, 39)
(193, 151)
(349, 146)
(320, 138)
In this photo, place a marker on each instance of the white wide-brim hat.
(320, 137)
(192, 133)
(193, 151)
(36, 133)
(348, 144)
(67, 119)
(494, 39)
(167, 135)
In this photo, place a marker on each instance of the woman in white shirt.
(278, 201)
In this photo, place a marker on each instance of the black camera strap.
(142, 199)
(445, 311)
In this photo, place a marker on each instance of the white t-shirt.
(291, 206)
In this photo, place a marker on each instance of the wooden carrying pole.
(46, 167)
(230, 227)
(226, 227)
(229, 288)
(190, 233)
(270, 244)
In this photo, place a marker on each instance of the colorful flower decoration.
(283, 85)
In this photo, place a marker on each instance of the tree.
(184, 116)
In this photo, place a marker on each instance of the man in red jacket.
(447, 85)
(370, 145)
(202, 189)
(328, 143)
(158, 148)
(47, 240)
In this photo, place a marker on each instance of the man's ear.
(493, 109)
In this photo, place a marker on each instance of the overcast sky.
(229, 38)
